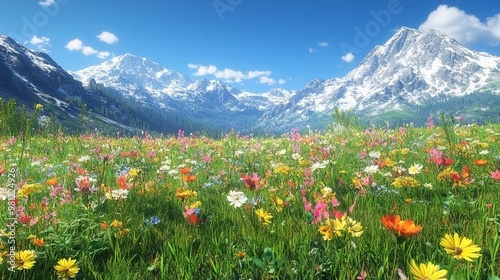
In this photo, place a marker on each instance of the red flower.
(251, 182)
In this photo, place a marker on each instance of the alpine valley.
(412, 76)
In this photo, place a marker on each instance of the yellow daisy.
(66, 268)
(427, 272)
(460, 247)
(24, 259)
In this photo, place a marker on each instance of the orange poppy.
(402, 228)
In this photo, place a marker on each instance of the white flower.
(83, 158)
(281, 152)
(238, 152)
(236, 198)
(119, 194)
(3, 194)
(374, 154)
(372, 169)
(318, 165)
(296, 156)
(415, 169)
(484, 152)
(428, 185)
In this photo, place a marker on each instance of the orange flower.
(51, 182)
(402, 229)
(189, 178)
(39, 242)
(122, 182)
(185, 170)
(181, 194)
(481, 161)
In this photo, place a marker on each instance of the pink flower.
(489, 205)
(495, 174)
(362, 275)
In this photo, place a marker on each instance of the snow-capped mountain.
(137, 77)
(211, 100)
(408, 70)
(413, 73)
(146, 80)
(34, 75)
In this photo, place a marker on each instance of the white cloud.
(231, 75)
(349, 57)
(46, 3)
(465, 28)
(37, 40)
(281, 81)
(107, 37)
(205, 70)
(266, 80)
(311, 50)
(77, 45)
(255, 74)
(40, 42)
(323, 44)
(86, 50)
(103, 55)
(74, 45)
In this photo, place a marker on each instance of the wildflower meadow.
(349, 203)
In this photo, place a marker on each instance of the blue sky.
(255, 45)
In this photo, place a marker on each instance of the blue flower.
(153, 220)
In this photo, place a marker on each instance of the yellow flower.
(264, 216)
(27, 189)
(405, 181)
(116, 223)
(354, 228)
(196, 204)
(326, 231)
(405, 151)
(281, 169)
(24, 259)
(241, 255)
(38, 106)
(278, 203)
(460, 247)
(66, 268)
(389, 162)
(339, 226)
(122, 233)
(132, 172)
(427, 272)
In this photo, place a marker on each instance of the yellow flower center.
(458, 250)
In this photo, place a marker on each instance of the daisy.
(460, 247)
(67, 268)
(415, 169)
(427, 272)
(236, 198)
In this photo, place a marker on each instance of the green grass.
(199, 235)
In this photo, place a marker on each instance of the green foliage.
(346, 119)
